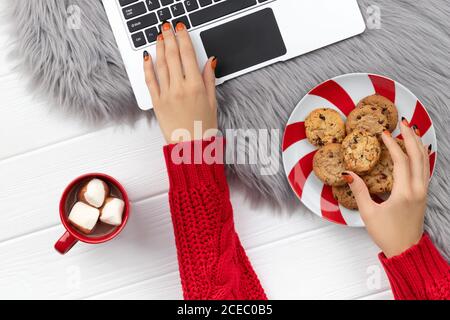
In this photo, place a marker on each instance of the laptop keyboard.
(144, 17)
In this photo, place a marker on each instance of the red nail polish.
(388, 133)
(166, 26)
(347, 177)
(214, 63)
(180, 26)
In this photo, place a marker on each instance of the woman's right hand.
(398, 224)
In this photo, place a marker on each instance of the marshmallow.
(84, 217)
(112, 211)
(94, 193)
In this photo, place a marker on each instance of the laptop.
(244, 35)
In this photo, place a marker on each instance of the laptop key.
(166, 2)
(204, 3)
(177, 9)
(124, 3)
(164, 14)
(219, 10)
(151, 34)
(142, 22)
(134, 10)
(191, 5)
(183, 19)
(138, 39)
(152, 4)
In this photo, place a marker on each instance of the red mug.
(68, 199)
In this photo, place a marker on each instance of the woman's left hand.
(181, 94)
(398, 223)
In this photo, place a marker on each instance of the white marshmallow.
(95, 193)
(84, 217)
(112, 211)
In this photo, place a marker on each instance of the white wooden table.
(297, 256)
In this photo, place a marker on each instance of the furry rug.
(82, 71)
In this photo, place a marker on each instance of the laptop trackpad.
(244, 42)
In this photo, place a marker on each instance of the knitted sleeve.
(420, 273)
(212, 261)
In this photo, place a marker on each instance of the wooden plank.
(259, 224)
(145, 249)
(32, 184)
(167, 287)
(27, 122)
(384, 295)
(295, 257)
(331, 263)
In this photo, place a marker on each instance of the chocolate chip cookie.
(324, 126)
(328, 165)
(381, 178)
(387, 107)
(369, 118)
(345, 197)
(361, 151)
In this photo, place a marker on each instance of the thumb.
(359, 190)
(209, 78)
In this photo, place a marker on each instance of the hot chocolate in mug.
(102, 232)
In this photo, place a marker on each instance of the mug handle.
(65, 243)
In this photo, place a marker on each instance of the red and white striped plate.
(342, 94)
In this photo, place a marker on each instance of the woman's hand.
(181, 94)
(397, 224)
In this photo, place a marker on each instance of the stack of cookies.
(354, 145)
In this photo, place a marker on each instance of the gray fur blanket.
(84, 73)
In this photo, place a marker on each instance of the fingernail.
(430, 148)
(166, 26)
(347, 177)
(180, 26)
(388, 133)
(416, 129)
(214, 63)
(405, 122)
(146, 55)
(160, 37)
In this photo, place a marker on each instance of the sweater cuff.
(190, 164)
(416, 270)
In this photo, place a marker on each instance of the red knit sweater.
(212, 262)
(214, 265)
(419, 273)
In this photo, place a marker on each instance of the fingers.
(187, 52)
(150, 78)
(360, 192)
(400, 160)
(427, 168)
(416, 131)
(172, 54)
(209, 78)
(161, 64)
(426, 151)
(415, 153)
(417, 135)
